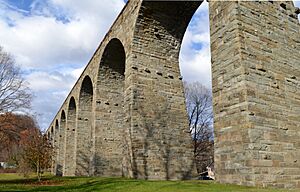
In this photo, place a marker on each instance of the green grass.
(13, 182)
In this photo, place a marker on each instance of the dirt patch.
(8, 170)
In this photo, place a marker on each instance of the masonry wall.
(61, 155)
(255, 59)
(161, 142)
(107, 127)
(135, 123)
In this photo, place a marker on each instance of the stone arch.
(56, 146)
(70, 139)
(255, 71)
(237, 86)
(109, 114)
(62, 129)
(56, 130)
(52, 135)
(158, 110)
(84, 128)
(52, 138)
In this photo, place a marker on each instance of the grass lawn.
(13, 182)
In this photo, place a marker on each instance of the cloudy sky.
(52, 41)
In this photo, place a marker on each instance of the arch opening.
(56, 147)
(159, 31)
(195, 69)
(109, 118)
(159, 92)
(86, 91)
(56, 125)
(72, 105)
(84, 143)
(62, 129)
(70, 139)
(51, 136)
(112, 65)
(63, 116)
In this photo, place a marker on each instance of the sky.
(53, 40)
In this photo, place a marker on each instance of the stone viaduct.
(126, 114)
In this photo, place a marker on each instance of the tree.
(199, 108)
(11, 126)
(14, 93)
(36, 151)
(23, 143)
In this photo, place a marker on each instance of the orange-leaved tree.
(36, 151)
(11, 125)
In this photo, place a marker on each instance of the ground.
(14, 182)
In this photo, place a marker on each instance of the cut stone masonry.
(126, 114)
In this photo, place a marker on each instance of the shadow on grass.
(23, 181)
(92, 184)
(77, 184)
(70, 184)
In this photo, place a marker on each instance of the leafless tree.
(199, 108)
(14, 93)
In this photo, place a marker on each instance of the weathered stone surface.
(126, 114)
(256, 71)
(120, 127)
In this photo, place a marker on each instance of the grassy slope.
(13, 182)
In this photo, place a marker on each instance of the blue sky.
(21, 4)
(52, 40)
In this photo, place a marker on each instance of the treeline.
(22, 144)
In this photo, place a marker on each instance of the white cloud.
(297, 4)
(195, 62)
(197, 67)
(50, 90)
(195, 58)
(52, 42)
(43, 81)
(43, 39)
(77, 72)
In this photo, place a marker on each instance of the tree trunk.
(195, 131)
(38, 171)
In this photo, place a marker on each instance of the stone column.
(256, 68)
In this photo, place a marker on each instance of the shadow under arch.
(51, 136)
(51, 139)
(56, 146)
(62, 129)
(109, 115)
(84, 129)
(70, 139)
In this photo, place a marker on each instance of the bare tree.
(14, 93)
(199, 108)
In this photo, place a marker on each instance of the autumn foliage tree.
(15, 96)
(23, 143)
(35, 151)
(11, 126)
